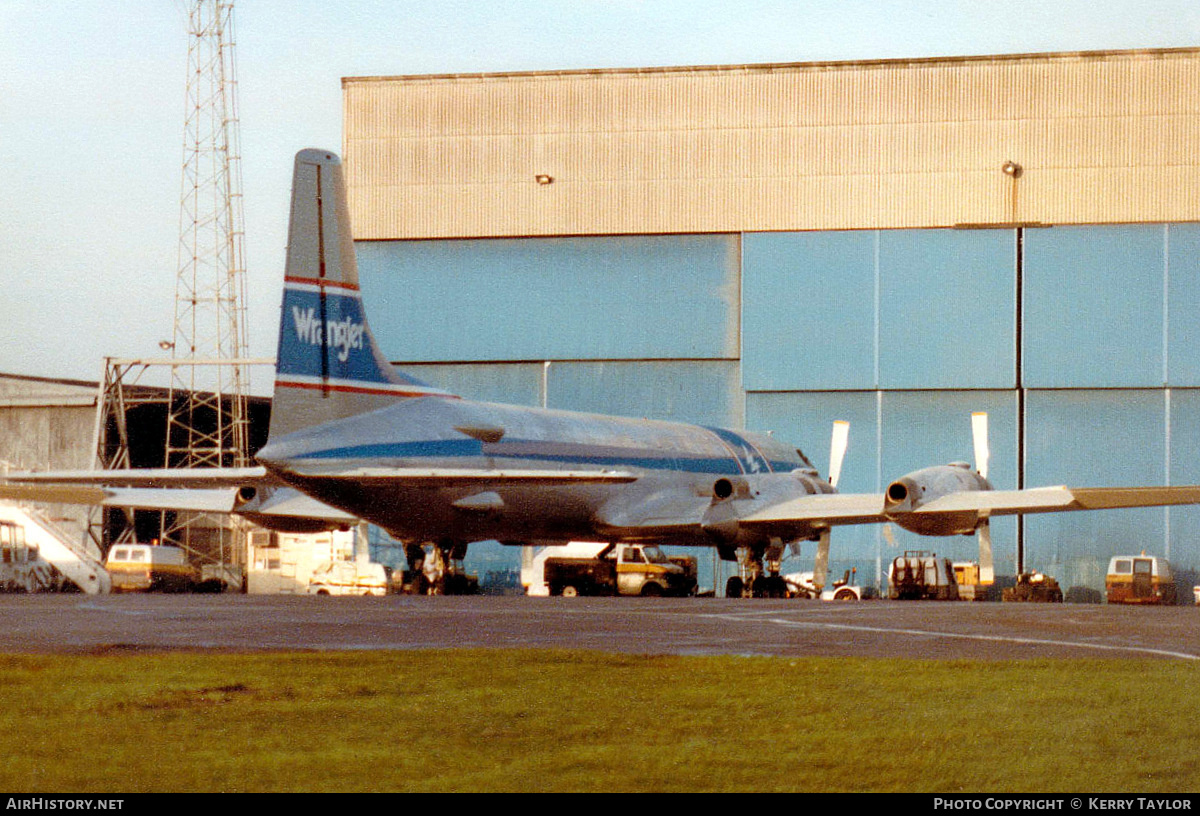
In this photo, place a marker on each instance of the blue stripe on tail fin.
(329, 366)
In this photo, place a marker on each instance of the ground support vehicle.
(1034, 587)
(583, 568)
(150, 568)
(348, 578)
(970, 587)
(800, 585)
(57, 558)
(1139, 579)
(921, 575)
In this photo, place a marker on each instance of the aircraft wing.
(822, 510)
(270, 503)
(671, 511)
(200, 478)
(866, 508)
(1059, 499)
(215, 490)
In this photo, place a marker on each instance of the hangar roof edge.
(785, 67)
(93, 385)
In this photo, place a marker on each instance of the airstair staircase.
(59, 549)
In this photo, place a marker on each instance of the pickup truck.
(611, 569)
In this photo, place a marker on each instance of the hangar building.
(53, 424)
(897, 243)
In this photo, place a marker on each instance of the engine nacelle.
(910, 493)
(736, 496)
(249, 501)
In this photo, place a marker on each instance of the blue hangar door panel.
(1094, 438)
(879, 309)
(947, 308)
(808, 311)
(1183, 441)
(1094, 306)
(1183, 297)
(589, 298)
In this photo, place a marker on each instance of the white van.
(1139, 579)
(150, 568)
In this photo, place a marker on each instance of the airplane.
(351, 438)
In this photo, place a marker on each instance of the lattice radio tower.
(207, 424)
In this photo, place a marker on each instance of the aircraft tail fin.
(328, 366)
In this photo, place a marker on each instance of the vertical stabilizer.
(329, 366)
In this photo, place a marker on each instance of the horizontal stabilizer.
(149, 477)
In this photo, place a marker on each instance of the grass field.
(586, 721)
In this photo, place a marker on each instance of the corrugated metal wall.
(1102, 137)
(48, 424)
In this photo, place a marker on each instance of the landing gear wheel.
(776, 587)
(733, 587)
(763, 587)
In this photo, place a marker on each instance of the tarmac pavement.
(689, 626)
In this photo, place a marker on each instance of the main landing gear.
(437, 570)
(758, 573)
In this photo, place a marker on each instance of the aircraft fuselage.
(671, 467)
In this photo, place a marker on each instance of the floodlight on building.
(166, 345)
(1011, 168)
(542, 178)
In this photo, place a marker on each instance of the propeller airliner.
(352, 438)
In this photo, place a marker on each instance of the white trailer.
(348, 578)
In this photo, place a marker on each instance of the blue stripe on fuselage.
(532, 451)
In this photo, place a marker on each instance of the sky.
(92, 113)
